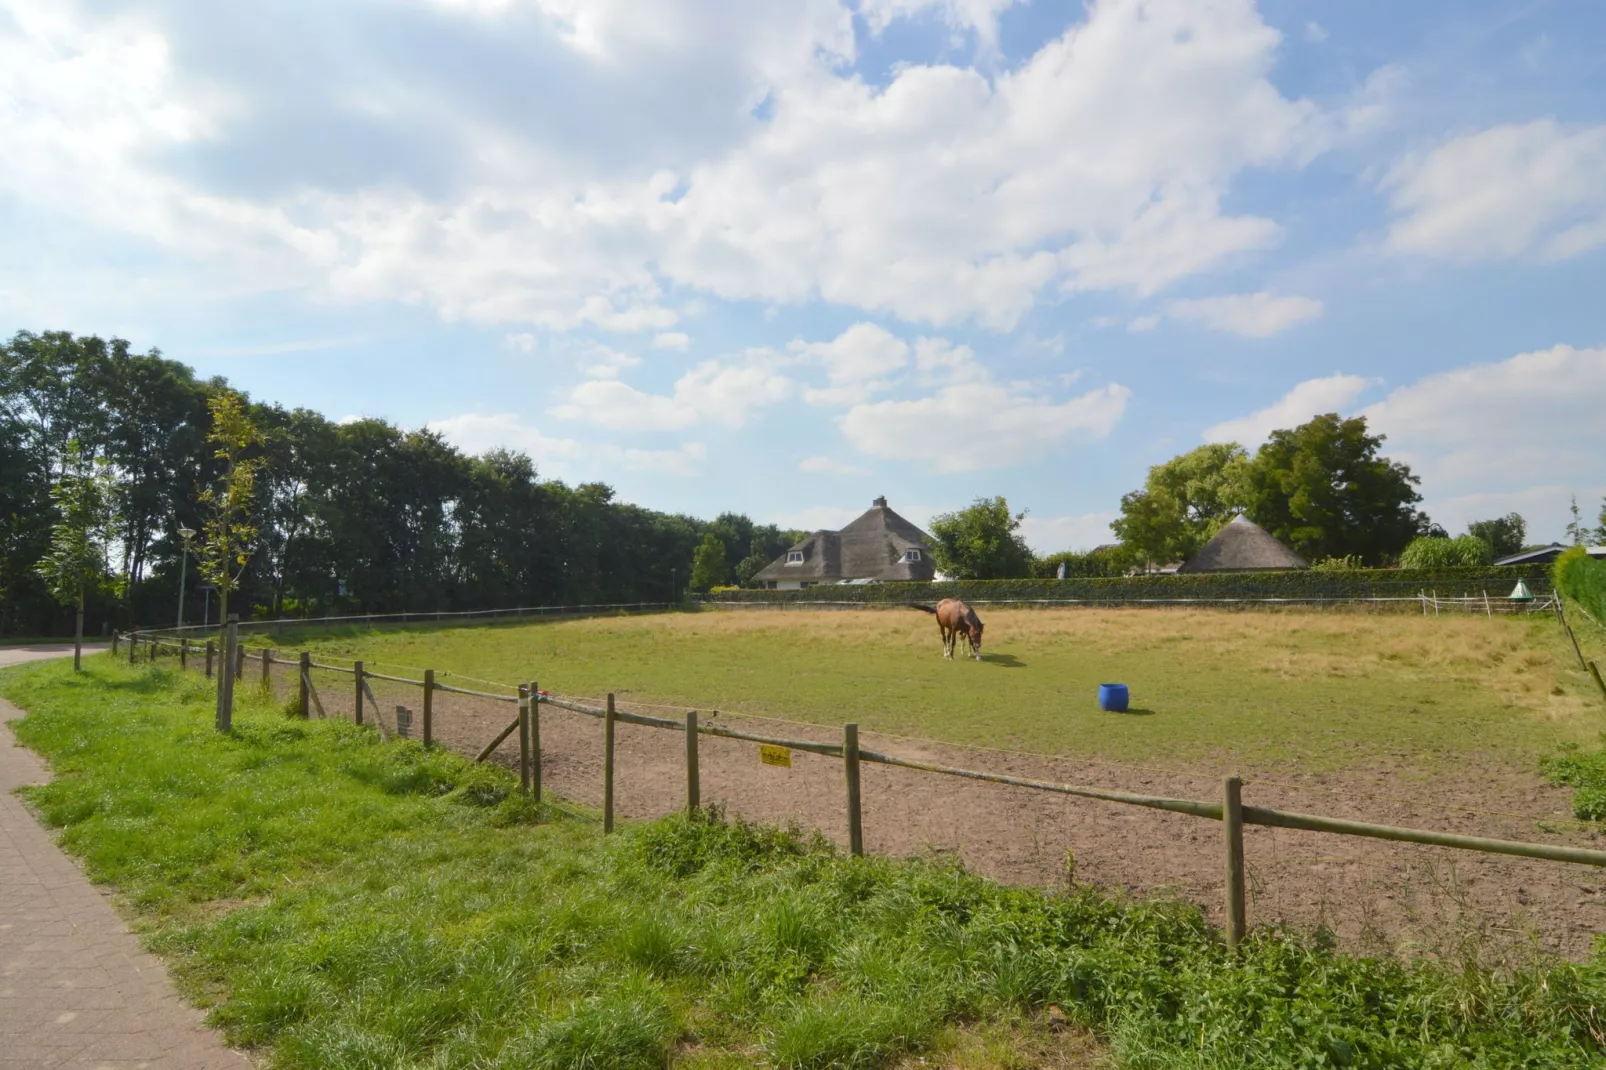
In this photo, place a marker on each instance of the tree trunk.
(78, 635)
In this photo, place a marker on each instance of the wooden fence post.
(429, 707)
(239, 661)
(267, 661)
(1594, 671)
(694, 786)
(211, 651)
(225, 681)
(850, 765)
(607, 767)
(133, 642)
(535, 740)
(524, 738)
(305, 674)
(1232, 820)
(183, 653)
(114, 644)
(150, 649)
(357, 709)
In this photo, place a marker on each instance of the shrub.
(1467, 551)
(1583, 579)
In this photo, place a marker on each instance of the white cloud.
(1534, 189)
(476, 433)
(1143, 324)
(854, 363)
(828, 466)
(601, 362)
(713, 392)
(1101, 162)
(980, 425)
(1315, 32)
(671, 340)
(1253, 315)
(523, 342)
(816, 518)
(1336, 393)
(1051, 534)
(977, 16)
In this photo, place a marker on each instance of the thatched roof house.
(1243, 546)
(880, 545)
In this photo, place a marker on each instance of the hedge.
(1307, 585)
(1582, 579)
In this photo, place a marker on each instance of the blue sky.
(784, 258)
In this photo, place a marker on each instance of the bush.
(1583, 579)
(1110, 561)
(1467, 551)
(1585, 773)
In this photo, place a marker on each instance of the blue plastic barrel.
(1113, 697)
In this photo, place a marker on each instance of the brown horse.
(955, 619)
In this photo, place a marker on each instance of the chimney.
(879, 503)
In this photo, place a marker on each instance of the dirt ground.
(1378, 897)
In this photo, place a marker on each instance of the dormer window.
(794, 557)
(911, 556)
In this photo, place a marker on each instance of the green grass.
(339, 902)
(1267, 690)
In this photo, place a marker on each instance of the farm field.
(1435, 723)
(1287, 691)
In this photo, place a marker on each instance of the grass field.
(1265, 690)
(339, 902)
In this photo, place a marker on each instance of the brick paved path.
(76, 990)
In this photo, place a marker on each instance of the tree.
(1505, 535)
(1323, 489)
(227, 534)
(708, 563)
(981, 542)
(1183, 503)
(83, 495)
(1578, 532)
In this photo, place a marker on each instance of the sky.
(784, 258)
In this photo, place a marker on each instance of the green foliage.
(1582, 579)
(1183, 503)
(708, 567)
(1585, 773)
(84, 496)
(227, 532)
(1105, 561)
(1324, 489)
(1346, 563)
(1467, 551)
(981, 542)
(335, 922)
(1504, 534)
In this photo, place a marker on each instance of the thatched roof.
(1243, 546)
(873, 547)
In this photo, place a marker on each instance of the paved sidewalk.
(76, 990)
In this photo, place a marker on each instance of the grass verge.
(341, 902)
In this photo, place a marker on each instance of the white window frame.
(794, 557)
(911, 556)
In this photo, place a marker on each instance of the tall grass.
(340, 902)
(1582, 579)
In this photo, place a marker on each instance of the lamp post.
(183, 564)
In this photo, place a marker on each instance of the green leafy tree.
(1504, 534)
(1577, 530)
(227, 533)
(83, 495)
(982, 542)
(1324, 489)
(1183, 503)
(1101, 561)
(708, 567)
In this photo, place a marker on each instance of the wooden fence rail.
(1230, 810)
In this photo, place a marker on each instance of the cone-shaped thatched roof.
(875, 546)
(1243, 546)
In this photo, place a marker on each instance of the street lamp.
(183, 563)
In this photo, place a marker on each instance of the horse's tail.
(924, 609)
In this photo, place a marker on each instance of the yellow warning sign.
(772, 755)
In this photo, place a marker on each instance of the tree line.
(360, 517)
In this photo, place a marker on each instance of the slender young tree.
(227, 534)
(83, 495)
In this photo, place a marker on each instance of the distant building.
(1243, 546)
(1544, 555)
(879, 546)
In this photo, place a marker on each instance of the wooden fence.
(1229, 808)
